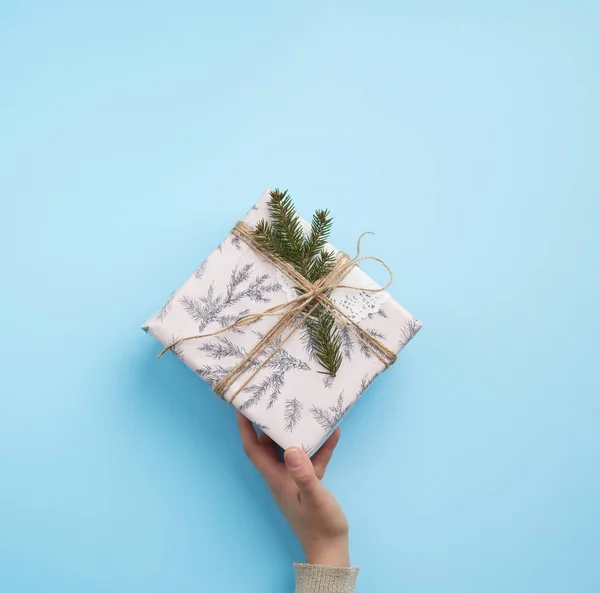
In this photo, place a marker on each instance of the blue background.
(133, 135)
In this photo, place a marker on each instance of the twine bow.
(295, 312)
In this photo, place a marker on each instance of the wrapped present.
(282, 325)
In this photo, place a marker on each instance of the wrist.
(329, 552)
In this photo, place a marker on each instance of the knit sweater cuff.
(313, 578)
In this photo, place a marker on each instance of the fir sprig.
(319, 233)
(284, 237)
(326, 340)
(320, 266)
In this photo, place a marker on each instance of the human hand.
(311, 510)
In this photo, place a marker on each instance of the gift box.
(281, 384)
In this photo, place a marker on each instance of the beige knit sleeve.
(312, 578)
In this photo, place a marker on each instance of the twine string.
(294, 313)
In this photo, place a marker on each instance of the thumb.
(301, 470)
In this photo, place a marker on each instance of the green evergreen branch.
(284, 237)
(287, 227)
(320, 266)
(326, 339)
(319, 233)
(271, 241)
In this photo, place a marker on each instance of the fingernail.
(293, 458)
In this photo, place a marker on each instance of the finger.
(259, 455)
(265, 439)
(323, 455)
(268, 444)
(247, 432)
(301, 470)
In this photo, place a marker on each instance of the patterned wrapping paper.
(290, 398)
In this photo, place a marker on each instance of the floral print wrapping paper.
(290, 398)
